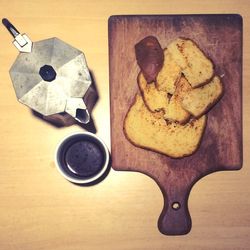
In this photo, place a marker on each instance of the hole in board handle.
(176, 205)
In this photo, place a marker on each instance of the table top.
(39, 209)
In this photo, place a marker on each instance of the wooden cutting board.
(220, 37)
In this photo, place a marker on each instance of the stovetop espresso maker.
(52, 78)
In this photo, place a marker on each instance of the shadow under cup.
(82, 158)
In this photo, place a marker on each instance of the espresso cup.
(82, 158)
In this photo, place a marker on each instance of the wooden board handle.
(175, 218)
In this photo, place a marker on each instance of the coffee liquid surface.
(84, 158)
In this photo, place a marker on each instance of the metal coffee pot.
(52, 78)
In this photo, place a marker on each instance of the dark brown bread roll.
(149, 56)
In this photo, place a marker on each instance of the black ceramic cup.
(82, 158)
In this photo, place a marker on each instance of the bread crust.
(169, 74)
(160, 110)
(168, 108)
(154, 149)
(175, 112)
(211, 103)
(209, 61)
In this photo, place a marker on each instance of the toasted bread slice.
(147, 130)
(169, 74)
(154, 99)
(196, 67)
(197, 101)
(174, 110)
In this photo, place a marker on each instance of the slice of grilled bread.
(156, 100)
(197, 101)
(196, 67)
(169, 74)
(147, 130)
(174, 110)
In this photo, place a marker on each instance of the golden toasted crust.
(169, 74)
(147, 130)
(175, 111)
(157, 100)
(199, 100)
(196, 67)
(154, 99)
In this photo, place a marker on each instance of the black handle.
(10, 27)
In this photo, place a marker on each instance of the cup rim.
(84, 180)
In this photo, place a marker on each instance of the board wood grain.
(220, 37)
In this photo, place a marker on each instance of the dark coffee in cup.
(82, 158)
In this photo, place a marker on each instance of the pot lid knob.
(47, 73)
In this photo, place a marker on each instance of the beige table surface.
(39, 209)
